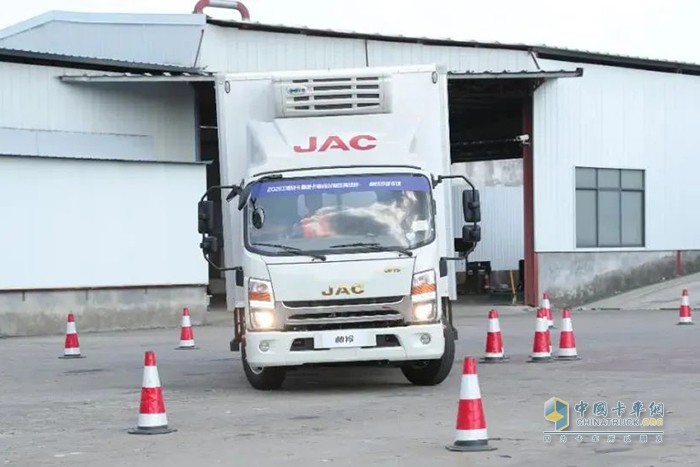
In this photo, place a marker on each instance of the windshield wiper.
(291, 249)
(375, 247)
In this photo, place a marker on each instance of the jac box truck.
(337, 220)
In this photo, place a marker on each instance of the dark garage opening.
(488, 118)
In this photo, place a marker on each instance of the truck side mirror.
(205, 216)
(209, 245)
(471, 233)
(471, 206)
(258, 218)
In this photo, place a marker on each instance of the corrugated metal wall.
(457, 59)
(237, 50)
(88, 223)
(39, 113)
(618, 118)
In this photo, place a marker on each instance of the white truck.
(337, 223)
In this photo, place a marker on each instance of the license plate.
(335, 339)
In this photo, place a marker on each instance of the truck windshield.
(341, 213)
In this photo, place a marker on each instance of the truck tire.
(432, 372)
(265, 379)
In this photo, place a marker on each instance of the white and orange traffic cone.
(186, 334)
(71, 348)
(541, 346)
(471, 433)
(152, 417)
(495, 352)
(548, 310)
(567, 340)
(685, 315)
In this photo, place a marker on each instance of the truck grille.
(343, 320)
(332, 95)
(343, 302)
(350, 313)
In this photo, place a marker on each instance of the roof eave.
(541, 74)
(70, 61)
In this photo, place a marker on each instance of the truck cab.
(339, 229)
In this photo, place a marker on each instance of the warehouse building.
(108, 138)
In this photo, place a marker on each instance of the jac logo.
(358, 143)
(344, 290)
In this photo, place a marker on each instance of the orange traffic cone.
(494, 341)
(471, 433)
(186, 334)
(567, 341)
(541, 346)
(152, 417)
(71, 348)
(685, 315)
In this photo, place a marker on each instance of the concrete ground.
(662, 296)
(77, 412)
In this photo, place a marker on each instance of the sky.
(661, 29)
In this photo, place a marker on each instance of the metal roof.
(141, 40)
(541, 51)
(185, 77)
(525, 74)
(125, 41)
(71, 61)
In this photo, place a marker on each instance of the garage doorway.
(491, 135)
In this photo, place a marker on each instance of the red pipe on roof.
(242, 9)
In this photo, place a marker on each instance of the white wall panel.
(32, 98)
(21, 142)
(236, 50)
(618, 118)
(99, 223)
(456, 59)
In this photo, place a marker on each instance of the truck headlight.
(262, 319)
(261, 302)
(424, 296)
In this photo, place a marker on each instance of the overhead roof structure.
(165, 77)
(146, 41)
(172, 42)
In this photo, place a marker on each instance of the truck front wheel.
(432, 372)
(265, 379)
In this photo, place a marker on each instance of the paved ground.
(664, 295)
(77, 412)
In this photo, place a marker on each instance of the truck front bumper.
(266, 349)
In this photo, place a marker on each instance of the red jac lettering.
(334, 142)
(358, 143)
(355, 142)
(313, 144)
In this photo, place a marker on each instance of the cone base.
(567, 357)
(502, 359)
(156, 430)
(684, 324)
(472, 446)
(194, 347)
(69, 357)
(539, 360)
